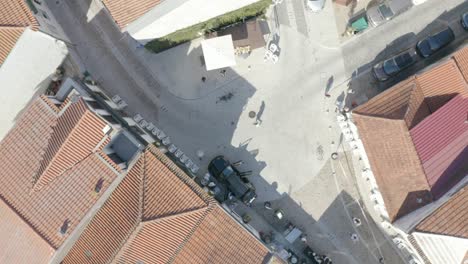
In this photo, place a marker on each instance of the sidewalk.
(344, 13)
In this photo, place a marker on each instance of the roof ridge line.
(411, 96)
(181, 175)
(67, 139)
(36, 187)
(137, 226)
(175, 215)
(377, 116)
(459, 70)
(209, 209)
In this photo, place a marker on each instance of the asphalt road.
(289, 152)
(403, 32)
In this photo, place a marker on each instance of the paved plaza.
(288, 151)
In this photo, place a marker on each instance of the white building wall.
(26, 73)
(47, 22)
(170, 16)
(442, 249)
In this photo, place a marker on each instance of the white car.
(315, 5)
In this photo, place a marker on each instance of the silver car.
(386, 10)
(315, 5)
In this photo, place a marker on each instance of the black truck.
(226, 173)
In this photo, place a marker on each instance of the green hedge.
(192, 32)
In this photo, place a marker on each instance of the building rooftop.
(8, 38)
(15, 16)
(16, 13)
(159, 207)
(52, 162)
(125, 12)
(451, 219)
(384, 125)
(441, 141)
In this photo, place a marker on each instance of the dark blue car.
(464, 21)
(432, 44)
(384, 70)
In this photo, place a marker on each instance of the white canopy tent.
(218, 52)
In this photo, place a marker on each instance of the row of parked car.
(425, 48)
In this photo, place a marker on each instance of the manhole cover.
(252, 114)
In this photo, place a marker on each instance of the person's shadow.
(329, 86)
(260, 112)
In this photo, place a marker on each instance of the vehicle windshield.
(227, 171)
(390, 67)
(434, 43)
(385, 11)
(403, 60)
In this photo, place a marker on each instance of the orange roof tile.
(17, 239)
(384, 124)
(164, 194)
(165, 236)
(175, 217)
(395, 164)
(15, 16)
(450, 219)
(461, 59)
(392, 104)
(8, 38)
(442, 83)
(220, 239)
(65, 199)
(113, 224)
(125, 12)
(68, 136)
(16, 13)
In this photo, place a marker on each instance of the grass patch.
(192, 32)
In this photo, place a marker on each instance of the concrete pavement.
(288, 153)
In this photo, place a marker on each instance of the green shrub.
(193, 32)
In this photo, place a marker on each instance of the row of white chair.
(166, 141)
(121, 104)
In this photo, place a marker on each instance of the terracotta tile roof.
(395, 164)
(461, 59)
(16, 13)
(389, 116)
(442, 83)
(63, 202)
(441, 141)
(17, 239)
(170, 216)
(125, 12)
(15, 16)
(114, 223)
(166, 236)
(67, 137)
(450, 219)
(8, 38)
(392, 104)
(219, 239)
(164, 194)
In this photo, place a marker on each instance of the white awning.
(218, 52)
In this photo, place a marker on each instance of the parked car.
(464, 21)
(315, 5)
(224, 172)
(392, 66)
(432, 44)
(381, 13)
